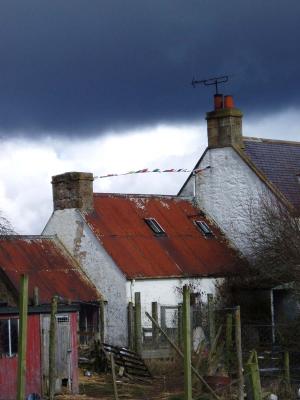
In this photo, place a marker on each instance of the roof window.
(154, 225)
(204, 228)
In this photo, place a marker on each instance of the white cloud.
(284, 125)
(26, 165)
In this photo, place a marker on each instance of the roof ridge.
(22, 237)
(267, 140)
(134, 195)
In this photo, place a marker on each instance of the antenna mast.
(211, 81)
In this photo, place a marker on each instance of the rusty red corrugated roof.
(118, 223)
(48, 266)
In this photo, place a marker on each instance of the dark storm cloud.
(73, 66)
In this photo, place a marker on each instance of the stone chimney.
(224, 124)
(73, 190)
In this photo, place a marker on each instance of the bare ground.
(99, 386)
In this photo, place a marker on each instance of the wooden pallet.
(132, 363)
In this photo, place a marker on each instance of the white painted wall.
(226, 191)
(80, 241)
(167, 292)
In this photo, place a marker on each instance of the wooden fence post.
(287, 376)
(228, 340)
(138, 322)
(254, 391)
(22, 343)
(211, 318)
(154, 312)
(187, 344)
(113, 372)
(52, 349)
(130, 314)
(36, 300)
(238, 344)
(179, 325)
(179, 352)
(102, 321)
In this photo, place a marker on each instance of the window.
(204, 228)
(154, 225)
(9, 336)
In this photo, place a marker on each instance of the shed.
(55, 273)
(37, 359)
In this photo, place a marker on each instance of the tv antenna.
(211, 81)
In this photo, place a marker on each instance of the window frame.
(10, 353)
(204, 228)
(156, 228)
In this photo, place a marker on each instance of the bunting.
(156, 170)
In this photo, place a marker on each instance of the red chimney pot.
(218, 101)
(228, 102)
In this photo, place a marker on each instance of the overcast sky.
(104, 86)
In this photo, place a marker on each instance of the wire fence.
(214, 347)
(170, 320)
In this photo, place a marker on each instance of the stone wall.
(73, 190)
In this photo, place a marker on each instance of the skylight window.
(204, 228)
(154, 225)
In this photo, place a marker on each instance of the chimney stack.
(73, 190)
(224, 124)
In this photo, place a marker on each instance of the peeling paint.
(99, 267)
(78, 253)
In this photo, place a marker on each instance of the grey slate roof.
(279, 161)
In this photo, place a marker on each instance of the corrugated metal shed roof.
(118, 222)
(279, 161)
(48, 266)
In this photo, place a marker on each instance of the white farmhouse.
(241, 170)
(238, 174)
(137, 243)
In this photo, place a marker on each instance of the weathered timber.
(102, 321)
(228, 340)
(130, 326)
(187, 344)
(52, 348)
(113, 373)
(238, 344)
(23, 306)
(211, 318)
(254, 391)
(36, 300)
(179, 325)
(154, 309)
(138, 323)
(287, 376)
(131, 361)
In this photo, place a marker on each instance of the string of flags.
(156, 170)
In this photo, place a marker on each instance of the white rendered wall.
(226, 192)
(167, 292)
(80, 241)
